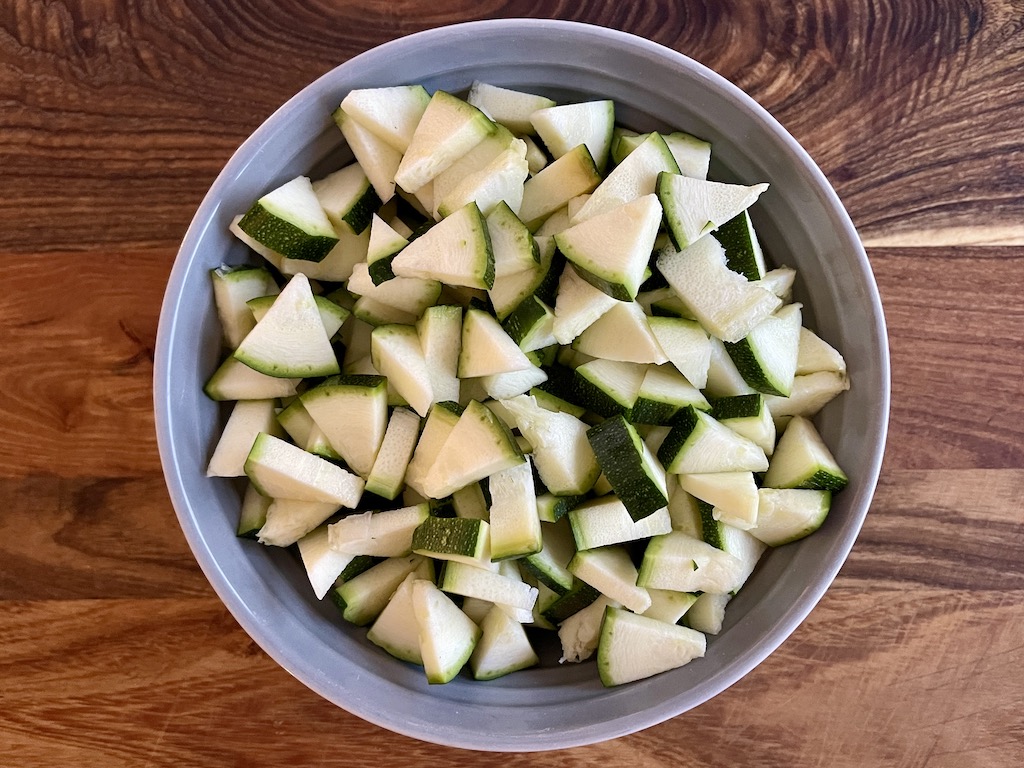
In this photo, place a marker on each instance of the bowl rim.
(593, 733)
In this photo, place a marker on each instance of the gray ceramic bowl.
(802, 223)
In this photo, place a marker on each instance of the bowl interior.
(801, 223)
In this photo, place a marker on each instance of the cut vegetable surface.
(579, 400)
(290, 341)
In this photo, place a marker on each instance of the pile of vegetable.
(519, 369)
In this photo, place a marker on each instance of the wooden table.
(115, 119)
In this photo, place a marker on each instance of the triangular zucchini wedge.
(385, 242)
(455, 251)
(767, 356)
(501, 180)
(352, 411)
(725, 303)
(487, 349)
(508, 107)
(378, 159)
(290, 221)
(686, 345)
(694, 207)
(348, 198)
(397, 353)
(449, 128)
(478, 446)
(633, 647)
(612, 250)
(635, 177)
(390, 113)
(290, 340)
(697, 443)
(622, 333)
(568, 125)
(514, 248)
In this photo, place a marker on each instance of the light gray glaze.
(803, 224)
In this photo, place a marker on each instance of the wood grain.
(77, 363)
(907, 618)
(116, 116)
(119, 109)
(956, 324)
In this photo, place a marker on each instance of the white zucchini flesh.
(473, 161)
(283, 471)
(578, 306)
(440, 332)
(514, 247)
(504, 385)
(694, 207)
(247, 420)
(634, 177)
(612, 249)
(388, 474)
(692, 155)
(682, 563)
(511, 108)
(815, 354)
(500, 181)
(323, 565)
(478, 446)
(515, 525)
(352, 411)
(579, 634)
(291, 221)
(455, 251)
(565, 461)
(387, 533)
(767, 357)
(385, 241)
(397, 353)
(290, 340)
(484, 584)
(289, 520)
(686, 345)
(566, 126)
(605, 521)
(803, 460)
(447, 130)
(234, 380)
(447, 636)
(347, 197)
(789, 514)
(733, 495)
(378, 159)
(725, 303)
(724, 379)
(635, 647)
(390, 113)
(708, 613)
(610, 571)
(232, 288)
(669, 605)
(574, 173)
(365, 596)
(438, 426)
(395, 629)
(487, 349)
(332, 315)
(810, 393)
(622, 333)
(410, 294)
(503, 647)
